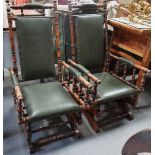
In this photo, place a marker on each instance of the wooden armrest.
(18, 93)
(15, 82)
(142, 68)
(121, 59)
(84, 71)
(78, 75)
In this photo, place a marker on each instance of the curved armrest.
(121, 59)
(16, 86)
(84, 71)
(142, 68)
(77, 74)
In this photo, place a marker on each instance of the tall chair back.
(40, 50)
(36, 53)
(88, 35)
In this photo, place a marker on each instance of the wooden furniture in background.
(131, 43)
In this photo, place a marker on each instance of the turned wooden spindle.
(125, 72)
(20, 111)
(95, 92)
(80, 90)
(75, 90)
(87, 96)
(133, 75)
(106, 35)
(29, 136)
(71, 26)
(117, 67)
(11, 34)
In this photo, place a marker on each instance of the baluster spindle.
(125, 72)
(87, 96)
(68, 79)
(133, 75)
(117, 67)
(72, 41)
(75, 85)
(80, 90)
(57, 40)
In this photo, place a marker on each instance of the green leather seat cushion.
(112, 88)
(47, 100)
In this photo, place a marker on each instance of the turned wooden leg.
(74, 124)
(78, 117)
(135, 100)
(20, 111)
(126, 108)
(29, 137)
(92, 122)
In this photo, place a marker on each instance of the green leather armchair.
(45, 100)
(110, 73)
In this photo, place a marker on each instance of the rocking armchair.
(109, 79)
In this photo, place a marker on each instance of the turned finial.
(55, 4)
(69, 5)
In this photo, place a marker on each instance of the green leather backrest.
(89, 39)
(35, 45)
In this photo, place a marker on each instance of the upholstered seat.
(112, 88)
(48, 99)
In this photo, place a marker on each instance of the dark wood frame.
(73, 118)
(92, 101)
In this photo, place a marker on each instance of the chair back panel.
(89, 38)
(35, 45)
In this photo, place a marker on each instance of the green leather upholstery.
(47, 99)
(67, 37)
(74, 72)
(112, 88)
(82, 69)
(34, 36)
(89, 34)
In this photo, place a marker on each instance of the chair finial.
(55, 4)
(69, 5)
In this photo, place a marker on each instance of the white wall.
(5, 22)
